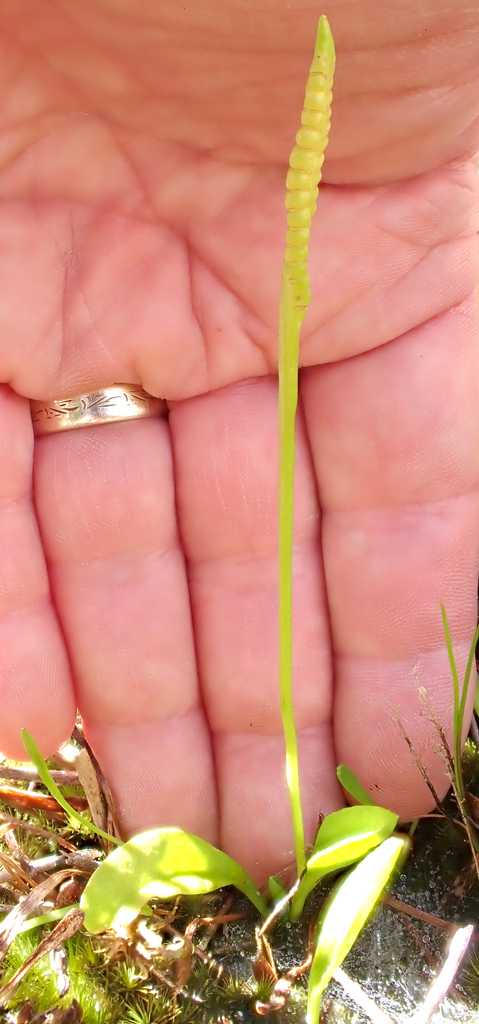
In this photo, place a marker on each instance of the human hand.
(143, 157)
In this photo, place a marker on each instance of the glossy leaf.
(347, 913)
(343, 838)
(161, 862)
(352, 785)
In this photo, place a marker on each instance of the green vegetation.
(302, 189)
(167, 862)
(347, 913)
(163, 862)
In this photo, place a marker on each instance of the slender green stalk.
(302, 189)
(460, 699)
(290, 322)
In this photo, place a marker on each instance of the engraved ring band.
(111, 404)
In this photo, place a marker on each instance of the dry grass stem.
(443, 981)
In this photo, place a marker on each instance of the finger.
(106, 506)
(226, 459)
(35, 684)
(394, 436)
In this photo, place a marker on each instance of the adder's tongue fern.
(302, 182)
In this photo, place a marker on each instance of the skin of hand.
(143, 150)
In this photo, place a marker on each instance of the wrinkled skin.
(143, 147)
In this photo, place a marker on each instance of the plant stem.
(301, 192)
(302, 181)
(290, 323)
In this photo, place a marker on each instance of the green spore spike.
(302, 189)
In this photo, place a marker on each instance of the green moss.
(40, 985)
(40, 989)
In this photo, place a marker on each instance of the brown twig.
(18, 823)
(114, 824)
(28, 866)
(420, 915)
(10, 924)
(18, 877)
(24, 800)
(31, 775)
(456, 781)
(419, 765)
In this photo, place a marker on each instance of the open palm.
(142, 151)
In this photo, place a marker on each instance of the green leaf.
(352, 785)
(460, 700)
(276, 890)
(347, 913)
(352, 824)
(162, 862)
(343, 838)
(38, 762)
(36, 922)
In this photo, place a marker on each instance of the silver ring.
(107, 405)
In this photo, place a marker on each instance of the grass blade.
(460, 700)
(37, 760)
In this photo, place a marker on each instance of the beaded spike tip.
(306, 161)
(302, 190)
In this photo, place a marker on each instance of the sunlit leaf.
(162, 862)
(352, 785)
(354, 824)
(343, 838)
(38, 762)
(347, 913)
